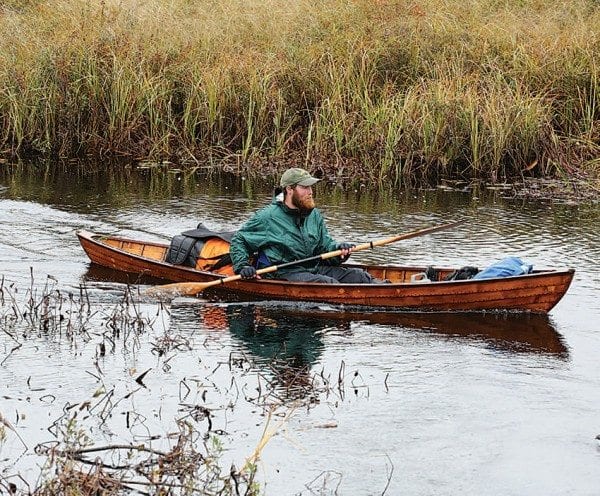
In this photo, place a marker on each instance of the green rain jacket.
(282, 235)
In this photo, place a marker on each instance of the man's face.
(302, 198)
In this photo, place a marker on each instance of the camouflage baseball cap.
(297, 176)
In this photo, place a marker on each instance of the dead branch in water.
(114, 469)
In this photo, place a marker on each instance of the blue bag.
(511, 266)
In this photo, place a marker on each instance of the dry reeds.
(404, 89)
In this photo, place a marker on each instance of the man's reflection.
(284, 345)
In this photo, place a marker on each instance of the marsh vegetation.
(391, 90)
(104, 442)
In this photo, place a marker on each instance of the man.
(290, 229)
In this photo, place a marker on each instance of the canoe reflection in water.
(501, 331)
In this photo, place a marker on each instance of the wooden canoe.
(538, 291)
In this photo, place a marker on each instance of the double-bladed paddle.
(193, 288)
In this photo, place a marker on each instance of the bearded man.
(290, 229)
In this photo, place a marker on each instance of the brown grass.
(400, 89)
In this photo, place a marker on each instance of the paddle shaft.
(192, 288)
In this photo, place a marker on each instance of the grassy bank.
(397, 88)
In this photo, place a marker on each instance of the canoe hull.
(539, 291)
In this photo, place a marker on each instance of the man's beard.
(305, 205)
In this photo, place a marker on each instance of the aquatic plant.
(190, 466)
(186, 455)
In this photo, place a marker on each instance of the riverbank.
(400, 91)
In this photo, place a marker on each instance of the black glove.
(345, 246)
(247, 272)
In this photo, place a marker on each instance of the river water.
(355, 404)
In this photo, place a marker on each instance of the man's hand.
(346, 249)
(248, 272)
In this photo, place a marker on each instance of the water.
(376, 403)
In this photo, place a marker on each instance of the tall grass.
(396, 88)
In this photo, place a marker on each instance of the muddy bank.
(581, 187)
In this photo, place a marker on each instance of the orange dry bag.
(214, 257)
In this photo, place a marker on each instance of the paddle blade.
(170, 291)
(186, 288)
